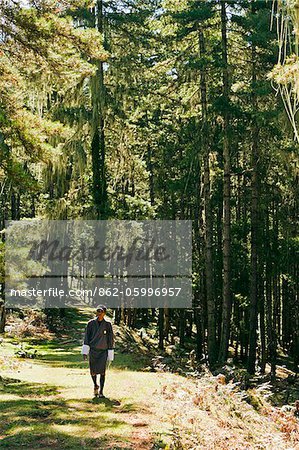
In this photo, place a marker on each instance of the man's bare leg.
(96, 386)
(102, 382)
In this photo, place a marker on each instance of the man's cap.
(101, 308)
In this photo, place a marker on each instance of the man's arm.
(110, 337)
(110, 343)
(85, 346)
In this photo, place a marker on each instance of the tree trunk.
(226, 306)
(182, 332)
(99, 184)
(199, 338)
(263, 359)
(2, 318)
(167, 323)
(199, 249)
(161, 328)
(151, 174)
(254, 221)
(269, 305)
(212, 352)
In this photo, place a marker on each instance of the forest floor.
(47, 402)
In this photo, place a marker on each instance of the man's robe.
(98, 340)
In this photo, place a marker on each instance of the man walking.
(98, 340)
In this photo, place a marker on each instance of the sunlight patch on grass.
(20, 429)
(74, 430)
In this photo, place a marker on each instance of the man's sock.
(94, 379)
(102, 382)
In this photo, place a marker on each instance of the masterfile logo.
(73, 263)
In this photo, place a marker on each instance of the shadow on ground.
(30, 420)
(15, 387)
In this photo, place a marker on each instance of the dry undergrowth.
(209, 414)
(32, 325)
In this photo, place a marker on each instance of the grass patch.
(34, 423)
(17, 387)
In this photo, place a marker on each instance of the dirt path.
(130, 414)
(49, 404)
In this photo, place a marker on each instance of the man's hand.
(85, 357)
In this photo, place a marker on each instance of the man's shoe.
(101, 395)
